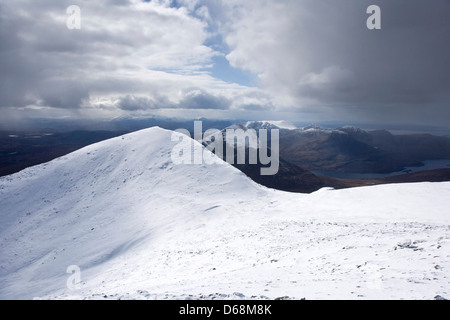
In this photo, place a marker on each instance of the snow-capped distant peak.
(352, 129)
(314, 128)
(282, 124)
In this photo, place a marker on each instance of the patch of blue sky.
(221, 69)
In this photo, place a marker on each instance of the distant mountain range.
(351, 149)
(345, 149)
(305, 152)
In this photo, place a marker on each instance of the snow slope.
(140, 227)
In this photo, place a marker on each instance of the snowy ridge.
(140, 227)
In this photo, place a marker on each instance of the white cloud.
(320, 53)
(129, 55)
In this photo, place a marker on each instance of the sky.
(298, 60)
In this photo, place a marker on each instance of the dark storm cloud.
(63, 94)
(39, 62)
(196, 98)
(193, 98)
(135, 103)
(321, 52)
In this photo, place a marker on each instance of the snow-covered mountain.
(140, 227)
